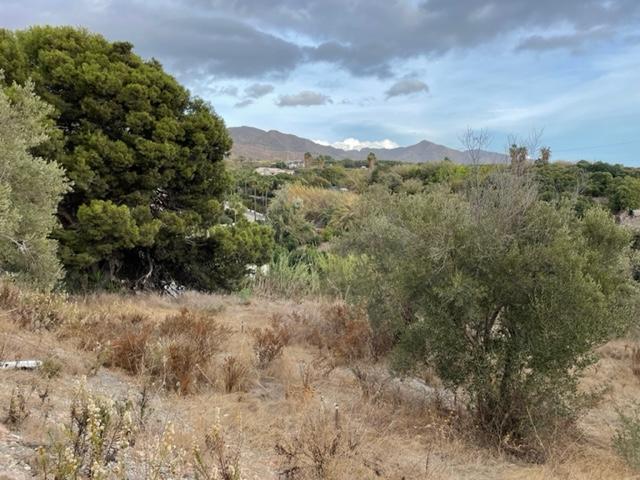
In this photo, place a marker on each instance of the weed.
(234, 374)
(92, 443)
(129, 348)
(217, 460)
(626, 440)
(269, 342)
(372, 386)
(635, 361)
(322, 443)
(31, 309)
(51, 368)
(18, 409)
(244, 296)
(162, 459)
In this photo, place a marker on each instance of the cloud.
(355, 144)
(258, 39)
(572, 41)
(243, 103)
(407, 86)
(303, 99)
(367, 37)
(229, 90)
(193, 41)
(258, 90)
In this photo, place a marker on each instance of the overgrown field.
(230, 387)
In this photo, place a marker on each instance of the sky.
(382, 73)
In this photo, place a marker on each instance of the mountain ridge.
(257, 144)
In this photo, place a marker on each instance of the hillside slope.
(387, 429)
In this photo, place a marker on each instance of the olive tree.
(503, 294)
(30, 189)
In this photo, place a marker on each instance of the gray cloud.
(192, 42)
(304, 99)
(575, 41)
(243, 103)
(228, 90)
(406, 86)
(258, 90)
(252, 38)
(365, 37)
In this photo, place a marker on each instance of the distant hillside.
(253, 143)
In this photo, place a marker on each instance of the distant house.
(270, 171)
(295, 164)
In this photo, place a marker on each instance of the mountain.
(253, 143)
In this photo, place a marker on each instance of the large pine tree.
(144, 156)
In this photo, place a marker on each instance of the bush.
(504, 295)
(626, 440)
(92, 443)
(183, 348)
(323, 447)
(178, 351)
(129, 348)
(234, 374)
(269, 342)
(286, 277)
(33, 309)
(310, 274)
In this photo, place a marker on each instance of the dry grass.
(336, 328)
(235, 374)
(635, 361)
(385, 429)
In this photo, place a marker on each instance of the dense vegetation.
(145, 159)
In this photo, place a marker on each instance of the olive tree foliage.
(503, 294)
(145, 158)
(30, 189)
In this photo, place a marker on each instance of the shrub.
(635, 361)
(320, 447)
(200, 329)
(234, 374)
(503, 294)
(33, 309)
(129, 348)
(18, 409)
(342, 329)
(184, 346)
(218, 460)
(91, 444)
(269, 342)
(626, 440)
(178, 350)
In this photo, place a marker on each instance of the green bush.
(626, 440)
(503, 294)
